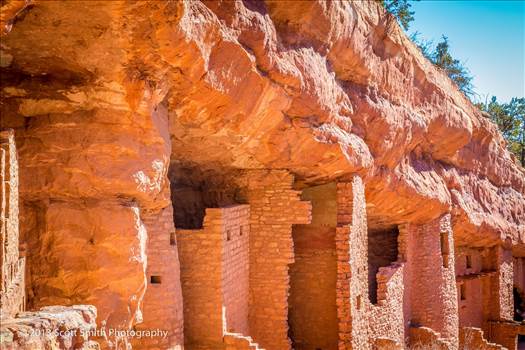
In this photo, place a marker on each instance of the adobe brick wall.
(214, 277)
(162, 305)
(274, 207)
(431, 278)
(12, 266)
(352, 266)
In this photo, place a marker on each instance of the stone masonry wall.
(235, 268)
(472, 338)
(386, 317)
(433, 298)
(200, 256)
(506, 333)
(352, 266)
(214, 277)
(502, 284)
(162, 306)
(12, 266)
(275, 207)
(473, 275)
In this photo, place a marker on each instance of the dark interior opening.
(519, 305)
(463, 291)
(519, 313)
(468, 261)
(155, 280)
(194, 189)
(382, 251)
(445, 249)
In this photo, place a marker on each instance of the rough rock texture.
(123, 110)
(51, 328)
(12, 262)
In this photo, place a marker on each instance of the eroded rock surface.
(52, 327)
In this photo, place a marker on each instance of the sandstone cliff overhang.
(323, 89)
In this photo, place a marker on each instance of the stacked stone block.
(352, 266)
(275, 207)
(472, 338)
(214, 277)
(502, 283)
(386, 317)
(506, 333)
(162, 305)
(433, 297)
(474, 271)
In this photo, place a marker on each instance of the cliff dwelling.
(237, 175)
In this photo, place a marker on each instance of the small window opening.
(173, 240)
(155, 280)
(444, 248)
(240, 231)
(358, 302)
(228, 235)
(463, 291)
(469, 261)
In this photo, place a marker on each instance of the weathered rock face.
(52, 327)
(122, 110)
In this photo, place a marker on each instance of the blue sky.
(488, 36)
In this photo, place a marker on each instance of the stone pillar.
(433, 294)
(162, 306)
(201, 261)
(501, 283)
(275, 207)
(352, 265)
